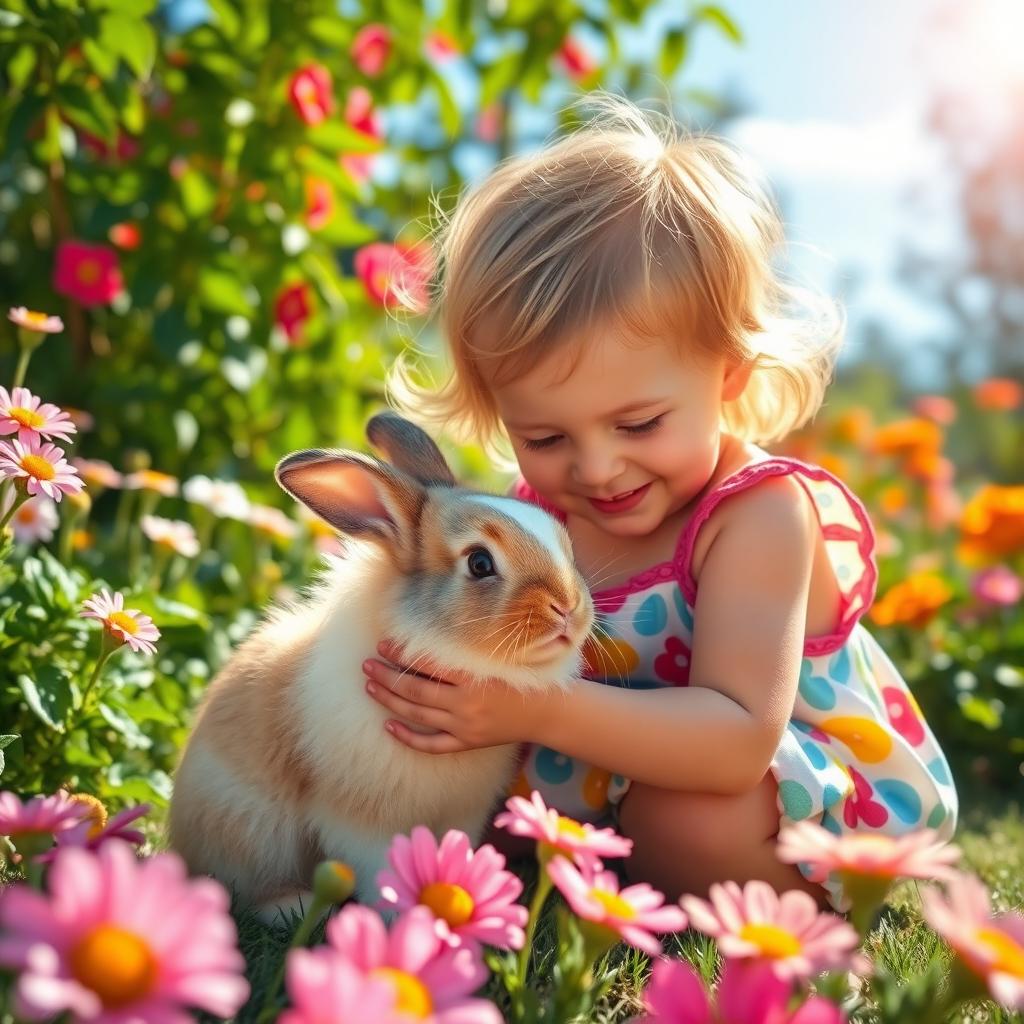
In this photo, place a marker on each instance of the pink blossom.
(38, 817)
(575, 59)
(21, 412)
(89, 274)
(395, 275)
(371, 48)
(991, 946)
(469, 892)
(749, 993)
(325, 988)
(440, 46)
(151, 480)
(311, 93)
(117, 939)
(175, 534)
(431, 978)
(998, 585)
(584, 843)
(937, 408)
(319, 203)
(35, 519)
(273, 521)
(785, 931)
(292, 309)
(42, 466)
(33, 321)
(918, 854)
(360, 114)
(98, 473)
(634, 914)
(96, 829)
(127, 625)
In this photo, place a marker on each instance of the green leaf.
(198, 196)
(673, 52)
(721, 20)
(48, 695)
(119, 719)
(102, 60)
(5, 741)
(451, 116)
(227, 17)
(88, 109)
(223, 291)
(131, 8)
(499, 76)
(338, 137)
(982, 711)
(132, 39)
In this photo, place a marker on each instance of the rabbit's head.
(487, 582)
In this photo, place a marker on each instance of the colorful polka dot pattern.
(856, 755)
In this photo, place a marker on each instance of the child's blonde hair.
(636, 225)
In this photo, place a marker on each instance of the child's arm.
(719, 734)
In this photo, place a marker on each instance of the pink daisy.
(990, 945)
(29, 824)
(96, 829)
(469, 892)
(175, 534)
(33, 321)
(786, 931)
(749, 993)
(23, 413)
(272, 521)
(326, 989)
(127, 625)
(151, 480)
(35, 519)
(582, 842)
(118, 939)
(97, 473)
(431, 979)
(42, 466)
(634, 913)
(915, 855)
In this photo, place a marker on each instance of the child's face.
(576, 442)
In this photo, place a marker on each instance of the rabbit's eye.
(481, 564)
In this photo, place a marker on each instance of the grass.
(992, 840)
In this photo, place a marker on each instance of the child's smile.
(625, 438)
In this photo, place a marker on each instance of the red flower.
(575, 59)
(310, 93)
(371, 48)
(488, 122)
(440, 46)
(673, 664)
(125, 235)
(860, 806)
(379, 264)
(319, 203)
(359, 113)
(125, 148)
(292, 309)
(89, 274)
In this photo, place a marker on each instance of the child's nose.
(596, 470)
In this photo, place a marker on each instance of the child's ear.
(737, 373)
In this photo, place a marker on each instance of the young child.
(612, 310)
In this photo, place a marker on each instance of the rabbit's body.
(289, 762)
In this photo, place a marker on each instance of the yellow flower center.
(26, 417)
(88, 272)
(448, 901)
(97, 812)
(34, 319)
(115, 964)
(1009, 954)
(572, 828)
(771, 941)
(413, 996)
(123, 621)
(37, 466)
(613, 903)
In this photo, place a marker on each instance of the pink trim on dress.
(679, 566)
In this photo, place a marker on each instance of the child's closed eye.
(637, 428)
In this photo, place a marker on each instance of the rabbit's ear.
(355, 493)
(409, 448)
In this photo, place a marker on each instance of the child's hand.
(465, 717)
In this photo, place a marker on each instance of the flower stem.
(540, 895)
(22, 368)
(19, 500)
(302, 933)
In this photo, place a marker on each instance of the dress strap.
(845, 526)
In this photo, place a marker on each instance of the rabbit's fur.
(288, 762)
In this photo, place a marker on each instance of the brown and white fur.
(288, 762)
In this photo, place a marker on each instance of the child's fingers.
(431, 693)
(437, 743)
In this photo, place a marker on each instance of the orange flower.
(914, 602)
(928, 465)
(992, 524)
(853, 426)
(835, 465)
(905, 437)
(893, 500)
(1001, 393)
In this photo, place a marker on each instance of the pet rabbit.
(288, 761)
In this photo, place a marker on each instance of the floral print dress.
(856, 755)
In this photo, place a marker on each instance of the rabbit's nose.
(561, 611)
